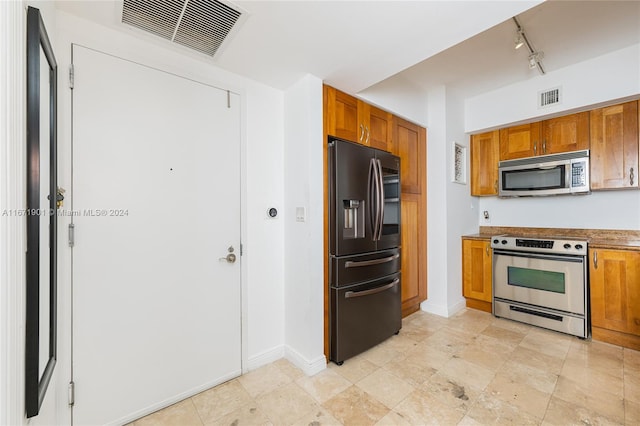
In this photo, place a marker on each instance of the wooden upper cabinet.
(564, 134)
(614, 146)
(485, 152)
(615, 291)
(354, 120)
(553, 136)
(341, 114)
(376, 126)
(519, 141)
(409, 143)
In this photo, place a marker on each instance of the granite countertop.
(597, 238)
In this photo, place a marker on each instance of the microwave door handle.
(380, 199)
(547, 167)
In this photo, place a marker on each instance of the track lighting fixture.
(534, 59)
(521, 40)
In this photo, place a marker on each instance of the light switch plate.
(301, 214)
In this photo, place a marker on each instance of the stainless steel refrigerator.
(364, 247)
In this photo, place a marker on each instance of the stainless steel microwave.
(566, 173)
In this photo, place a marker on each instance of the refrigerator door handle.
(352, 264)
(380, 200)
(374, 211)
(350, 294)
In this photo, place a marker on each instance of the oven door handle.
(350, 294)
(528, 255)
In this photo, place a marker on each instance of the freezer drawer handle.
(352, 264)
(351, 294)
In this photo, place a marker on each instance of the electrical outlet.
(486, 216)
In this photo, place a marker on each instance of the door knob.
(231, 258)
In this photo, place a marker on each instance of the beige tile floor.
(470, 369)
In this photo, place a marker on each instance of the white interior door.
(156, 191)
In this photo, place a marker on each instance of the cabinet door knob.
(368, 134)
(595, 259)
(544, 146)
(487, 250)
(535, 148)
(631, 176)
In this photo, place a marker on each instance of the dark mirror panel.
(41, 256)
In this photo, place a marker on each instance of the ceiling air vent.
(549, 97)
(202, 25)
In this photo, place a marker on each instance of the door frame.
(66, 151)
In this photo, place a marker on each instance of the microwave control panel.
(578, 174)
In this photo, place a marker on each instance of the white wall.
(12, 229)
(604, 79)
(437, 299)
(598, 80)
(461, 207)
(451, 210)
(303, 184)
(400, 97)
(262, 175)
(12, 198)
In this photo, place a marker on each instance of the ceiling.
(567, 32)
(354, 45)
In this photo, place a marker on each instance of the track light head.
(519, 41)
(534, 59)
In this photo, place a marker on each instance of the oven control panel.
(521, 242)
(540, 245)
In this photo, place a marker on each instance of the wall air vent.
(549, 97)
(201, 25)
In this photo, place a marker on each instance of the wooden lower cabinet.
(614, 278)
(477, 273)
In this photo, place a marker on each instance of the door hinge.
(241, 249)
(71, 76)
(72, 393)
(72, 235)
(228, 99)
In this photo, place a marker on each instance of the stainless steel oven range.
(541, 282)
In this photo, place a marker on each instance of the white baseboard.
(457, 307)
(443, 310)
(264, 358)
(309, 367)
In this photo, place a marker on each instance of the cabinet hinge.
(72, 393)
(72, 235)
(228, 99)
(71, 76)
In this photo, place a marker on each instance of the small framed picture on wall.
(459, 166)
